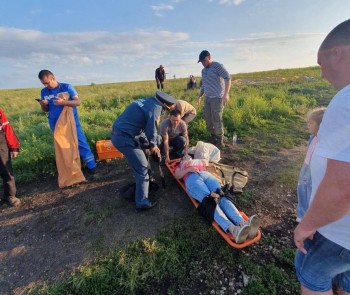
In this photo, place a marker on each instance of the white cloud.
(267, 37)
(235, 2)
(87, 47)
(105, 57)
(89, 52)
(159, 9)
(162, 6)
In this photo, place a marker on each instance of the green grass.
(267, 115)
(266, 110)
(176, 263)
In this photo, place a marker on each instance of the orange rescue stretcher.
(227, 236)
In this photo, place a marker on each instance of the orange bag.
(66, 150)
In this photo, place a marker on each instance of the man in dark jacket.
(139, 118)
(160, 77)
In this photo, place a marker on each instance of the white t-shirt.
(334, 143)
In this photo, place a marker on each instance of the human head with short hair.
(175, 113)
(205, 58)
(47, 78)
(314, 119)
(334, 55)
(175, 117)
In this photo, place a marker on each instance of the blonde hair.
(316, 115)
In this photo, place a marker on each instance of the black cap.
(165, 98)
(203, 55)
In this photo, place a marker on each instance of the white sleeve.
(334, 133)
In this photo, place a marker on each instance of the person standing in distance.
(160, 77)
(216, 84)
(322, 261)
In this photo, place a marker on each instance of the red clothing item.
(11, 138)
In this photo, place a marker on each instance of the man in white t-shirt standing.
(323, 236)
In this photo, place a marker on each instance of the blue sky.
(108, 41)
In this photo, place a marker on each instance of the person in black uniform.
(160, 77)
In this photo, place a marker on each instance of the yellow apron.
(66, 150)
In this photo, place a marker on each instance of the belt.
(212, 97)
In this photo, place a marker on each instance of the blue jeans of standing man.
(137, 159)
(201, 184)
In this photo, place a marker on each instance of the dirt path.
(56, 231)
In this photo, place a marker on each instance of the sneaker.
(13, 201)
(240, 233)
(253, 222)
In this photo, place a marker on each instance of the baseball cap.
(203, 55)
(165, 98)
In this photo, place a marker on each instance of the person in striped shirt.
(215, 86)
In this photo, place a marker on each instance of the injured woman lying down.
(214, 205)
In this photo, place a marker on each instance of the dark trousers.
(178, 144)
(6, 169)
(160, 85)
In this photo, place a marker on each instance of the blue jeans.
(324, 263)
(137, 159)
(201, 184)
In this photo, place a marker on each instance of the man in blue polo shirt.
(54, 97)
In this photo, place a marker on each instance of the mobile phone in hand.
(38, 99)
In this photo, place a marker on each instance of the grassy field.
(266, 110)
